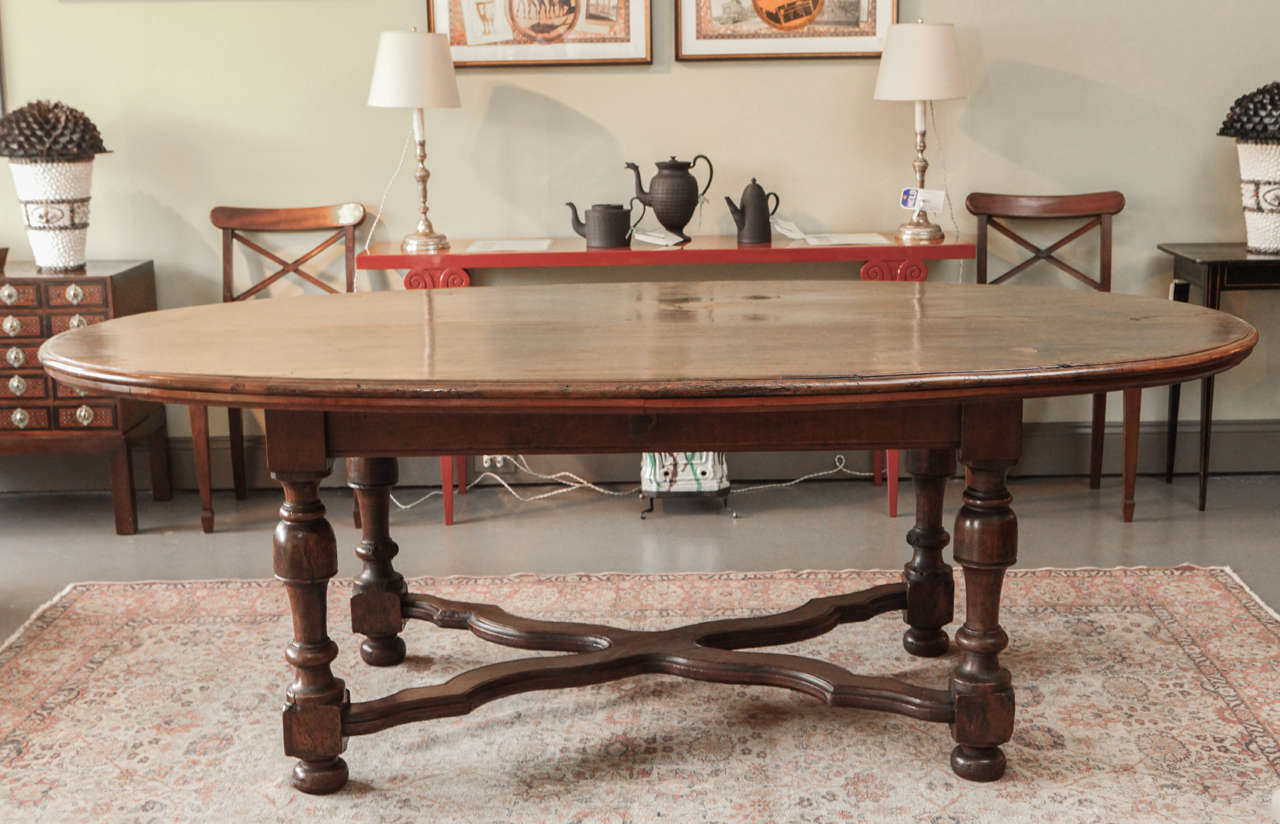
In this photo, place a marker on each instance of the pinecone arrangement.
(1255, 117)
(49, 132)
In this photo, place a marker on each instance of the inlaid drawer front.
(63, 392)
(61, 322)
(87, 416)
(19, 326)
(21, 418)
(27, 386)
(19, 357)
(91, 293)
(19, 294)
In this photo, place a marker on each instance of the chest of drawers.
(40, 416)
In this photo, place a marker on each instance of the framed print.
(543, 32)
(756, 29)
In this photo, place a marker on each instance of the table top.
(650, 345)
(1218, 253)
(702, 249)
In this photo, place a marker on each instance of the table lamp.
(920, 63)
(414, 70)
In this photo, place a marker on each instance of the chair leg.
(161, 477)
(877, 466)
(200, 450)
(1095, 445)
(235, 427)
(460, 473)
(446, 487)
(1132, 411)
(891, 475)
(122, 496)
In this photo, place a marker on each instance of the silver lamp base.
(920, 230)
(425, 243)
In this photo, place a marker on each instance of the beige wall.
(227, 101)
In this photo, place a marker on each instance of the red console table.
(880, 261)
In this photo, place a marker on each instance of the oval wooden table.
(728, 366)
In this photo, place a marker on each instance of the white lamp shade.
(414, 70)
(920, 62)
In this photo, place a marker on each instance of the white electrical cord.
(571, 482)
(377, 217)
(839, 468)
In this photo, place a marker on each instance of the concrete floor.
(48, 541)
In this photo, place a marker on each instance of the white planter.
(55, 207)
(1260, 192)
(667, 472)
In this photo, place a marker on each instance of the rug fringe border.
(1235, 576)
(37, 614)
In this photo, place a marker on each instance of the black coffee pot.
(753, 215)
(608, 225)
(673, 192)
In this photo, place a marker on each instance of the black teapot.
(753, 215)
(673, 192)
(608, 225)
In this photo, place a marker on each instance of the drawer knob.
(77, 322)
(81, 392)
(84, 415)
(9, 293)
(74, 293)
(20, 418)
(11, 325)
(18, 385)
(15, 357)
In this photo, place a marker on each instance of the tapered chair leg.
(235, 428)
(123, 500)
(1132, 414)
(1098, 432)
(446, 487)
(200, 451)
(891, 476)
(161, 477)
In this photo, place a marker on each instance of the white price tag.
(787, 228)
(929, 200)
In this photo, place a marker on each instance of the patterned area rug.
(1144, 695)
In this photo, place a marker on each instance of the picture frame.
(502, 33)
(782, 29)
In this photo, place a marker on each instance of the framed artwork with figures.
(543, 32)
(764, 29)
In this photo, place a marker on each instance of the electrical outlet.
(497, 464)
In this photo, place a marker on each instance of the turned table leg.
(306, 557)
(930, 586)
(986, 544)
(376, 604)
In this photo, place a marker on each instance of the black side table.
(1215, 268)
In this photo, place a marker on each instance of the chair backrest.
(343, 218)
(1097, 207)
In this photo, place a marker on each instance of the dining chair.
(1097, 210)
(341, 221)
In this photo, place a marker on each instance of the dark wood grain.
(644, 368)
(667, 342)
(63, 419)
